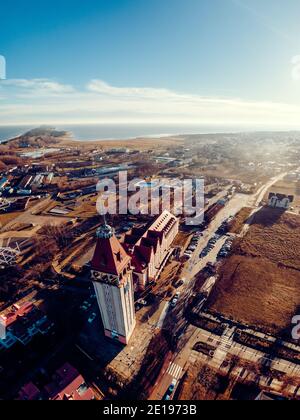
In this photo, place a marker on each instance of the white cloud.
(46, 101)
(36, 86)
(99, 86)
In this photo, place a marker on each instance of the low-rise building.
(30, 392)
(280, 201)
(21, 322)
(67, 384)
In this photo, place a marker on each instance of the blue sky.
(210, 61)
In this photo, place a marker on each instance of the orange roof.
(11, 314)
(68, 384)
(109, 256)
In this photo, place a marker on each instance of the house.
(280, 201)
(21, 322)
(29, 392)
(67, 384)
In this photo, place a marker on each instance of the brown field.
(139, 143)
(229, 172)
(260, 283)
(200, 383)
(275, 236)
(239, 220)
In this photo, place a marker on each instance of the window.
(126, 288)
(114, 335)
(82, 389)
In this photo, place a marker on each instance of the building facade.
(150, 248)
(21, 322)
(111, 274)
(280, 201)
(118, 270)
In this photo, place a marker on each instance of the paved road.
(179, 362)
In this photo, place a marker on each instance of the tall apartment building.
(119, 270)
(112, 278)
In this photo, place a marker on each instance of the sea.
(125, 131)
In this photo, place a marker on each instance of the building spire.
(105, 231)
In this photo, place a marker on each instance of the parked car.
(142, 302)
(175, 300)
(92, 318)
(172, 387)
(179, 283)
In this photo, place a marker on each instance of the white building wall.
(116, 305)
(281, 204)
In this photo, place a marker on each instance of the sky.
(151, 61)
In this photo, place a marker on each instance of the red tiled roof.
(29, 392)
(142, 243)
(109, 256)
(68, 384)
(150, 242)
(9, 316)
(141, 258)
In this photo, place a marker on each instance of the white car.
(175, 300)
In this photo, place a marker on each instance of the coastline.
(102, 134)
(125, 131)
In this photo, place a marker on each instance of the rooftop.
(109, 256)
(67, 384)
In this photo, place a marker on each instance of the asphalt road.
(176, 367)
